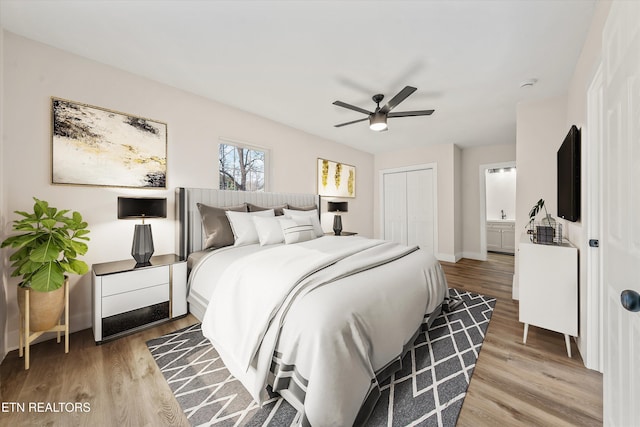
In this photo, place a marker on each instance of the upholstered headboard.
(190, 236)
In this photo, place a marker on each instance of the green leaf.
(61, 214)
(48, 278)
(77, 217)
(20, 254)
(24, 227)
(38, 208)
(49, 223)
(46, 252)
(25, 214)
(20, 240)
(79, 247)
(76, 266)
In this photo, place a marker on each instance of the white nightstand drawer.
(121, 303)
(126, 283)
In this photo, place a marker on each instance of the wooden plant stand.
(27, 337)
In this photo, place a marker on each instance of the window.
(242, 167)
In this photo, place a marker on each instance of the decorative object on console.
(336, 179)
(337, 207)
(48, 249)
(142, 207)
(96, 146)
(548, 231)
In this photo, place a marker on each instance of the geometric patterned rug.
(428, 391)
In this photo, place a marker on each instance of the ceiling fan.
(378, 118)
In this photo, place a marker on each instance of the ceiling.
(289, 60)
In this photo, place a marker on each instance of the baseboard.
(474, 255)
(446, 257)
(515, 289)
(77, 323)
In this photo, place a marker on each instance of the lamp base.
(337, 225)
(142, 247)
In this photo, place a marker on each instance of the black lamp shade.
(338, 206)
(141, 207)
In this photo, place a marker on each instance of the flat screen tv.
(569, 176)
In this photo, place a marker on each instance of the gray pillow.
(302, 208)
(278, 210)
(216, 225)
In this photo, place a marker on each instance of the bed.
(320, 320)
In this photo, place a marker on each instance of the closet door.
(420, 208)
(395, 207)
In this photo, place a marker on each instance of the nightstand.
(127, 297)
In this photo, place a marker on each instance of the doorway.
(496, 211)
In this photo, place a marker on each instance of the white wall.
(541, 128)
(443, 156)
(472, 159)
(501, 194)
(3, 211)
(34, 72)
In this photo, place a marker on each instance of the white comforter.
(325, 315)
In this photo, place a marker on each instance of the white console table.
(548, 278)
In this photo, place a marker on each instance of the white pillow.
(313, 214)
(297, 230)
(268, 229)
(244, 230)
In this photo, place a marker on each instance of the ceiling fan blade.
(401, 96)
(352, 107)
(411, 113)
(350, 123)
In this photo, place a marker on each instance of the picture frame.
(97, 146)
(336, 179)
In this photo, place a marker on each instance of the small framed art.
(336, 179)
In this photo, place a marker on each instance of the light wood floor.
(513, 384)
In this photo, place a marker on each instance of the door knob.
(630, 300)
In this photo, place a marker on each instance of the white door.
(621, 212)
(409, 206)
(420, 221)
(395, 207)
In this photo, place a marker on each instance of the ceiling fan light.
(378, 122)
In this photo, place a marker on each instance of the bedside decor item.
(142, 207)
(48, 250)
(336, 179)
(96, 146)
(548, 231)
(337, 207)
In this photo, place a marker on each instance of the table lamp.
(142, 207)
(337, 219)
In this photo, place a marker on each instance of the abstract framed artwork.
(336, 179)
(100, 147)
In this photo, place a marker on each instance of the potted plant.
(48, 248)
(545, 232)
